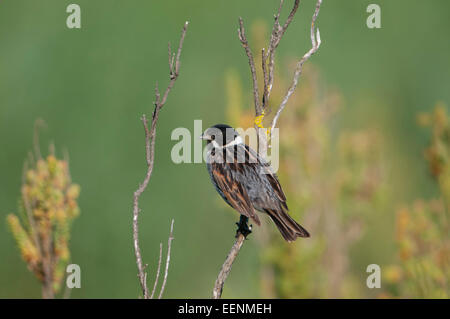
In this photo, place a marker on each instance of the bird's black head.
(221, 134)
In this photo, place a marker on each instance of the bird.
(246, 181)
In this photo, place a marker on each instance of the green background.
(92, 85)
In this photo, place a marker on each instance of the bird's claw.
(243, 227)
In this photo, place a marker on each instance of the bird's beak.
(205, 137)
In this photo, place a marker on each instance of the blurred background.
(365, 144)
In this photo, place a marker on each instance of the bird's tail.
(287, 226)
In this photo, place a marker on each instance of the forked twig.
(275, 38)
(315, 41)
(268, 60)
(150, 135)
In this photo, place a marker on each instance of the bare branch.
(241, 234)
(315, 41)
(226, 267)
(174, 70)
(275, 38)
(266, 79)
(169, 246)
(158, 271)
(251, 61)
(141, 271)
(150, 136)
(268, 64)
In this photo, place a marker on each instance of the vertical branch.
(150, 136)
(251, 61)
(158, 271)
(149, 157)
(166, 272)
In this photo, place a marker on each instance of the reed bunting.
(247, 182)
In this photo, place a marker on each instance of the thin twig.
(169, 246)
(268, 63)
(315, 41)
(266, 79)
(158, 271)
(275, 38)
(150, 136)
(251, 61)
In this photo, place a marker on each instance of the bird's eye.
(213, 138)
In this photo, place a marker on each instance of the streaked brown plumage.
(247, 182)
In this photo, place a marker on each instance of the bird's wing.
(235, 194)
(266, 171)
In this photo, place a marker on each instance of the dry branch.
(251, 61)
(169, 246)
(268, 65)
(242, 232)
(226, 267)
(150, 136)
(158, 271)
(315, 41)
(275, 38)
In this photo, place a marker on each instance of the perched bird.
(246, 181)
